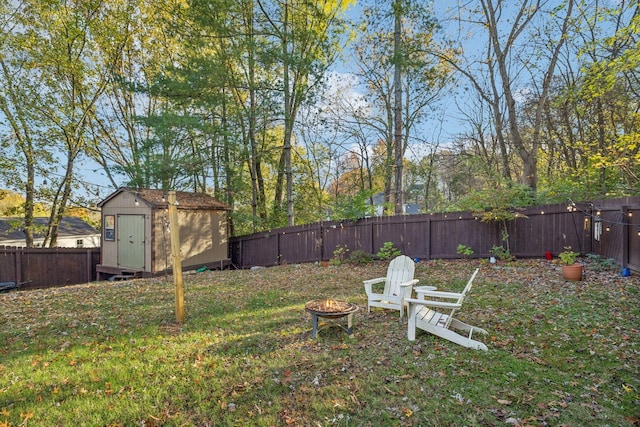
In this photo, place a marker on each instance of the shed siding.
(203, 238)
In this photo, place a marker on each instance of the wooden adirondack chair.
(398, 285)
(423, 315)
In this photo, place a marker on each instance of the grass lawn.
(111, 354)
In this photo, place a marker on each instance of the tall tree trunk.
(288, 121)
(29, 204)
(284, 165)
(258, 198)
(498, 120)
(528, 152)
(397, 107)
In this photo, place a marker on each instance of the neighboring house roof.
(11, 228)
(158, 199)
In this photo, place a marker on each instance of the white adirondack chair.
(423, 315)
(398, 285)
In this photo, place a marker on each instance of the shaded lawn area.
(109, 353)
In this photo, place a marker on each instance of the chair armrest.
(368, 284)
(440, 294)
(409, 283)
(429, 303)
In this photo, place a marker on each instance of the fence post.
(625, 235)
(18, 265)
(373, 229)
(279, 253)
(321, 242)
(89, 269)
(428, 237)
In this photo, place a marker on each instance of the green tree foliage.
(593, 114)
(402, 74)
(500, 205)
(237, 98)
(352, 207)
(57, 60)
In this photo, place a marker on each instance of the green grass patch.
(110, 353)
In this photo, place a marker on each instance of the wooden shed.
(135, 233)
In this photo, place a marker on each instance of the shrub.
(501, 253)
(388, 251)
(465, 251)
(340, 253)
(598, 263)
(360, 257)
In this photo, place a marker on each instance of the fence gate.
(130, 229)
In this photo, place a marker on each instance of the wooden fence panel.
(385, 229)
(613, 235)
(481, 237)
(450, 230)
(335, 234)
(549, 228)
(540, 229)
(415, 236)
(258, 249)
(349, 234)
(362, 236)
(8, 260)
(529, 234)
(300, 244)
(395, 229)
(47, 267)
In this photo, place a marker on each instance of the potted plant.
(571, 270)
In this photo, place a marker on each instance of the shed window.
(79, 243)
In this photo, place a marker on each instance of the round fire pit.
(330, 309)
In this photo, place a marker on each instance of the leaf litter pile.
(110, 353)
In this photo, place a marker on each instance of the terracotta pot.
(572, 272)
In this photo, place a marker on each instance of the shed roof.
(11, 228)
(158, 199)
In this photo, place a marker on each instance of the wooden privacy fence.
(609, 228)
(47, 267)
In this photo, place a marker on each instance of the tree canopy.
(293, 111)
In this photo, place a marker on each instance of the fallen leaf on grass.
(393, 393)
(355, 400)
(26, 416)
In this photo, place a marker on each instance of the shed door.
(131, 241)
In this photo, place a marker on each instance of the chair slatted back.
(400, 270)
(463, 294)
